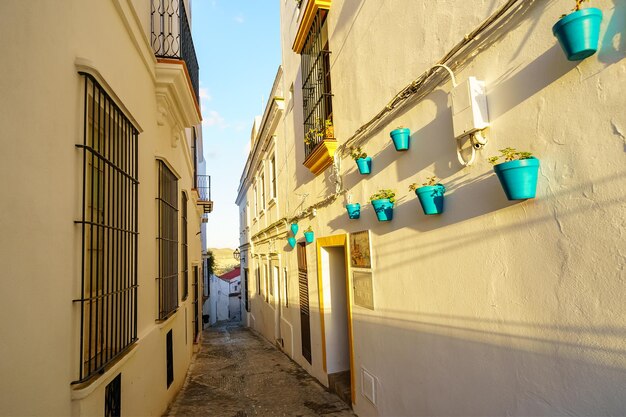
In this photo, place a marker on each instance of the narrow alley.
(237, 373)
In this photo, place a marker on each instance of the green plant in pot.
(430, 195)
(319, 132)
(383, 203)
(517, 173)
(578, 32)
(309, 235)
(363, 162)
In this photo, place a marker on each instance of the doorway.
(335, 315)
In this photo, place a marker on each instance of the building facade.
(493, 307)
(101, 206)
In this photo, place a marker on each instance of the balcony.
(203, 187)
(171, 37)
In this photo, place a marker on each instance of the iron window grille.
(196, 289)
(273, 174)
(167, 241)
(108, 301)
(316, 87)
(246, 300)
(113, 398)
(171, 37)
(262, 192)
(184, 247)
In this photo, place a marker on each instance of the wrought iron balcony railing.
(171, 37)
(203, 186)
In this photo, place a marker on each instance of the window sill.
(82, 391)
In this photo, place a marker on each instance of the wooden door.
(305, 323)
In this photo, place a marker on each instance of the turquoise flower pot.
(383, 209)
(518, 178)
(365, 165)
(354, 210)
(401, 138)
(578, 33)
(431, 198)
(309, 236)
(292, 242)
(294, 228)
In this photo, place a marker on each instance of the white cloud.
(239, 19)
(205, 95)
(212, 118)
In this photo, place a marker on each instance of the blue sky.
(237, 43)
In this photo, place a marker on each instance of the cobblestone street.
(237, 373)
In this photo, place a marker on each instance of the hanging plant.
(309, 235)
(320, 132)
(363, 162)
(579, 31)
(383, 202)
(354, 210)
(430, 195)
(517, 174)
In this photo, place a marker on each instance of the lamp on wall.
(236, 254)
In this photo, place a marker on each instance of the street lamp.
(236, 254)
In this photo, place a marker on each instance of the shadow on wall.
(461, 205)
(613, 44)
(463, 365)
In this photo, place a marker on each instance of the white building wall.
(41, 111)
(494, 307)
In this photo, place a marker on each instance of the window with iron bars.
(167, 239)
(108, 301)
(316, 86)
(184, 247)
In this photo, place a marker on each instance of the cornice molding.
(176, 104)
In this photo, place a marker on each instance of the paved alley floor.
(237, 373)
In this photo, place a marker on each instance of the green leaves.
(510, 154)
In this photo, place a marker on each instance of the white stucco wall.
(41, 111)
(494, 307)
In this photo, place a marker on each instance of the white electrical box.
(469, 107)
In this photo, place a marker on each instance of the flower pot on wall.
(292, 242)
(578, 33)
(309, 237)
(364, 165)
(518, 178)
(431, 198)
(384, 209)
(354, 210)
(294, 228)
(401, 138)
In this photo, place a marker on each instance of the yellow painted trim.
(334, 241)
(310, 11)
(321, 157)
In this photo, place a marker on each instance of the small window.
(169, 360)
(113, 398)
(262, 192)
(273, 176)
(286, 286)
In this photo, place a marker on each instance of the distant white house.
(225, 296)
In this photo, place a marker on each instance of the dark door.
(305, 323)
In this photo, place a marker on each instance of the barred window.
(316, 88)
(184, 246)
(273, 175)
(108, 301)
(168, 242)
